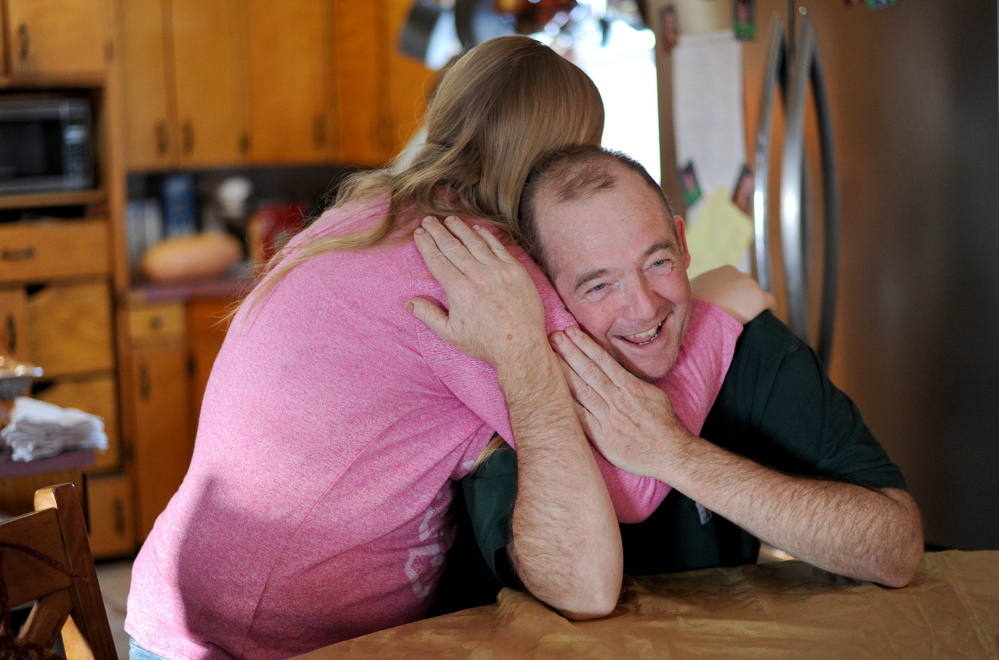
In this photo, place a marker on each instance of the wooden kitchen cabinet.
(409, 80)
(362, 87)
(162, 438)
(111, 509)
(183, 85)
(58, 38)
(207, 68)
(288, 78)
(151, 131)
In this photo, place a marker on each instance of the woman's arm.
(734, 291)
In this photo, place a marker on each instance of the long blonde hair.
(494, 113)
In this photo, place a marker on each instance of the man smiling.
(783, 456)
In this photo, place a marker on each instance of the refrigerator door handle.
(807, 67)
(776, 73)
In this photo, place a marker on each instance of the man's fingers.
(610, 368)
(428, 312)
(442, 268)
(472, 240)
(450, 245)
(495, 245)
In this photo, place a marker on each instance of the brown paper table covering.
(782, 610)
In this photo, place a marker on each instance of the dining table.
(784, 609)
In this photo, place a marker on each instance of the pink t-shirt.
(332, 427)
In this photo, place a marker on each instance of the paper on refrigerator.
(708, 113)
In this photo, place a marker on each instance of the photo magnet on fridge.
(744, 20)
(670, 27)
(742, 194)
(688, 182)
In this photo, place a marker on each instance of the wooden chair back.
(39, 549)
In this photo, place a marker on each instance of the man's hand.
(495, 309)
(629, 421)
(734, 291)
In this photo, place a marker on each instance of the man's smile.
(643, 338)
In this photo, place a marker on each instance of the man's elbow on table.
(583, 603)
(579, 595)
(903, 560)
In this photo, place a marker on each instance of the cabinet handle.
(11, 335)
(119, 517)
(244, 143)
(18, 254)
(319, 131)
(22, 32)
(161, 138)
(188, 145)
(145, 386)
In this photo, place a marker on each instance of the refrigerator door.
(807, 67)
(913, 95)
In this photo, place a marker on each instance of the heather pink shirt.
(332, 427)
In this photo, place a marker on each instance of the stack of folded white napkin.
(38, 430)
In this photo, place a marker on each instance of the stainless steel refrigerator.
(896, 245)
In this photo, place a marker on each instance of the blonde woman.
(334, 421)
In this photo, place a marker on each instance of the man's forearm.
(566, 543)
(843, 528)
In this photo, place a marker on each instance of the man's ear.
(681, 236)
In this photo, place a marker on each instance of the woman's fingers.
(587, 380)
(609, 369)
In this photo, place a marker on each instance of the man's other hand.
(629, 421)
(495, 310)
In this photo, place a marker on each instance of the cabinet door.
(69, 329)
(14, 323)
(150, 112)
(163, 441)
(112, 516)
(208, 73)
(364, 131)
(58, 37)
(409, 80)
(206, 334)
(288, 107)
(97, 396)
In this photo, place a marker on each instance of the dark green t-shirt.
(776, 406)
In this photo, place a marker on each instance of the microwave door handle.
(807, 68)
(776, 73)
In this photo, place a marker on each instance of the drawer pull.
(11, 335)
(188, 134)
(145, 386)
(18, 254)
(25, 36)
(156, 322)
(119, 517)
(161, 138)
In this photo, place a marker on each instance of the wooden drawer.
(34, 251)
(157, 324)
(97, 396)
(112, 516)
(69, 329)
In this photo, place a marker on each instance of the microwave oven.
(45, 145)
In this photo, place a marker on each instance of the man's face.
(621, 271)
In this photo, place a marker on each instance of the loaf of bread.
(197, 256)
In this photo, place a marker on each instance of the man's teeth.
(647, 336)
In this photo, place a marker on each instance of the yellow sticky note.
(718, 235)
